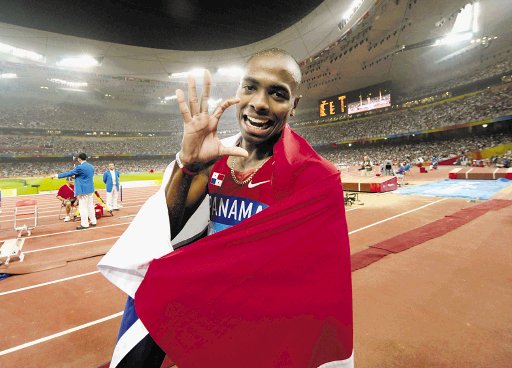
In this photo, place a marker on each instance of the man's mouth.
(258, 123)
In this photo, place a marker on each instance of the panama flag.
(272, 291)
(217, 179)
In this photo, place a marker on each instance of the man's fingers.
(232, 151)
(207, 83)
(192, 95)
(223, 106)
(182, 103)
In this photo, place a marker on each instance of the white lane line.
(59, 334)
(55, 208)
(71, 244)
(47, 283)
(51, 196)
(44, 339)
(74, 230)
(394, 217)
(55, 213)
(353, 209)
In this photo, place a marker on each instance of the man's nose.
(259, 102)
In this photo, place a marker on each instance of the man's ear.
(295, 104)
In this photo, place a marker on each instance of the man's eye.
(249, 88)
(280, 95)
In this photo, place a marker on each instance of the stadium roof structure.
(398, 40)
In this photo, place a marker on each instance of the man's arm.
(183, 194)
(75, 172)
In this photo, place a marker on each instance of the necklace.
(249, 178)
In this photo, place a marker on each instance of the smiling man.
(264, 279)
(238, 179)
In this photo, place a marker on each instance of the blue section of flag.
(215, 227)
(129, 317)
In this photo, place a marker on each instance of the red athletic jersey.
(232, 203)
(66, 192)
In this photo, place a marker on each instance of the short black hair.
(82, 156)
(297, 74)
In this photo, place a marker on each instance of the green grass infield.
(35, 185)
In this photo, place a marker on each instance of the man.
(259, 291)
(66, 195)
(366, 166)
(111, 179)
(84, 190)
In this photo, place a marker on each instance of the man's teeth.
(257, 123)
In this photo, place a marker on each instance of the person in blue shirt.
(111, 179)
(84, 190)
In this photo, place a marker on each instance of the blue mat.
(474, 189)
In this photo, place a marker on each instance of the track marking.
(59, 334)
(74, 230)
(56, 211)
(394, 217)
(48, 283)
(71, 244)
(112, 316)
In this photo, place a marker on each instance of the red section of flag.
(273, 291)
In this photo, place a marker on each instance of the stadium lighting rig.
(227, 71)
(68, 84)
(231, 71)
(21, 53)
(196, 72)
(81, 61)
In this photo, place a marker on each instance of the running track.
(443, 303)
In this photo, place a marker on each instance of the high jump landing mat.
(370, 184)
(480, 173)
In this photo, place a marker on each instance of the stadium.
(410, 100)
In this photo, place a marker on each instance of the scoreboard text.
(335, 105)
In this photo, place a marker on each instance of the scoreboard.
(365, 99)
(334, 105)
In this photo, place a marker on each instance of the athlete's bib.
(232, 203)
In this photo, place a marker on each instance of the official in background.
(111, 180)
(84, 190)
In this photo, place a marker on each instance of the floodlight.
(82, 61)
(68, 83)
(21, 53)
(476, 14)
(196, 72)
(8, 76)
(453, 38)
(352, 9)
(231, 71)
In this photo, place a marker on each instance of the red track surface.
(443, 303)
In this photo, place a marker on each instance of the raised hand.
(200, 143)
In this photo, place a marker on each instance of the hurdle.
(25, 210)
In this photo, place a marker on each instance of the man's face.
(267, 97)
(111, 166)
